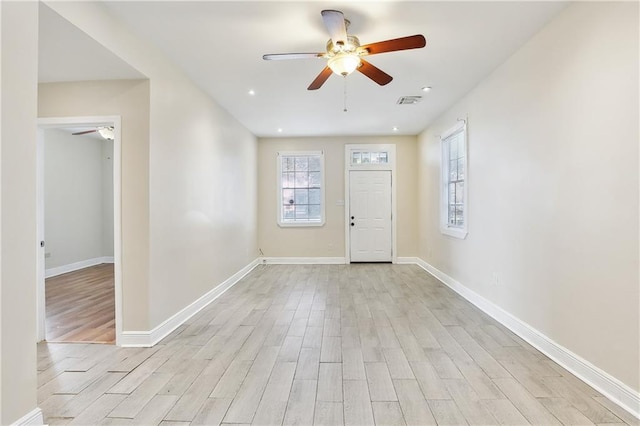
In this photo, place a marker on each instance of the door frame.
(390, 149)
(60, 122)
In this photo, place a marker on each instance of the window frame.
(280, 212)
(445, 227)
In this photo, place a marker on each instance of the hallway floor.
(358, 344)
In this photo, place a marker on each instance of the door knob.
(352, 217)
(352, 224)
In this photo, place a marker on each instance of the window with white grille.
(301, 188)
(454, 181)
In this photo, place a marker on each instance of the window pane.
(453, 148)
(287, 180)
(459, 216)
(314, 179)
(287, 164)
(460, 143)
(314, 212)
(452, 193)
(459, 193)
(461, 168)
(384, 158)
(314, 164)
(288, 212)
(453, 170)
(301, 180)
(374, 158)
(302, 196)
(314, 196)
(452, 215)
(302, 212)
(365, 158)
(287, 196)
(302, 164)
(356, 158)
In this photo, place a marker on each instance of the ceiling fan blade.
(320, 79)
(85, 132)
(374, 73)
(334, 21)
(280, 56)
(404, 43)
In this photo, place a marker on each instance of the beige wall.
(328, 240)
(202, 174)
(553, 186)
(130, 100)
(18, 245)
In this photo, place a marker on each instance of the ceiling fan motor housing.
(351, 45)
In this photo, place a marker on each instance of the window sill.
(300, 224)
(454, 232)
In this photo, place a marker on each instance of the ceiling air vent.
(409, 100)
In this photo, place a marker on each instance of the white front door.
(370, 215)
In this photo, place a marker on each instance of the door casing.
(60, 122)
(391, 166)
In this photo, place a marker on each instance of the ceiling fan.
(345, 54)
(105, 131)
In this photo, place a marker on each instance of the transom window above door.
(369, 157)
(301, 188)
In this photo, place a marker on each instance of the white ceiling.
(220, 46)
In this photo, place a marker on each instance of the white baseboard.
(601, 381)
(303, 260)
(407, 260)
(59, 270)
(150, 338)
(34, 417)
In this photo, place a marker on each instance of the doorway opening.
(370, 203)
(79, 270)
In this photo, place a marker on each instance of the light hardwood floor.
(326, 345)
(80, 306)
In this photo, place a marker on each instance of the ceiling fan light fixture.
(344, 63)
(106, 132)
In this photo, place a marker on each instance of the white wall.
(202, 173)
(553, 187)
(329, 240)
(78, 189)
(18, 245)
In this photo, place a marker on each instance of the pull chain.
(345, 94)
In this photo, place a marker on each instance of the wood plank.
(330, 382)
(387, 413)
(328, 414)
(414, 406)
(357, 403)
(301, 403)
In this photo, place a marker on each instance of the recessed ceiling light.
(395, 128)
(252, 92)
(279, 130)
(426, 88)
